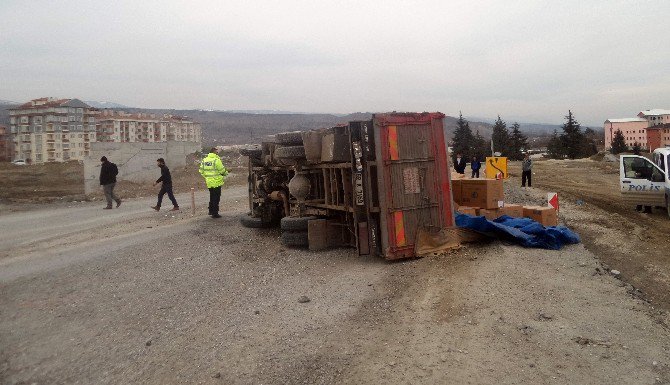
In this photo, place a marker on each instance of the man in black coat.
(166, 178)
(459, 164)
(108, 173)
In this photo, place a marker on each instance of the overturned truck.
(369, 184)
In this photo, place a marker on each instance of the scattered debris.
(615, 272)
(303, 299)
(217, 375)
(148, 343)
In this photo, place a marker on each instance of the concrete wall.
(136, 161)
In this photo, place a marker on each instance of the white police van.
(646, 182)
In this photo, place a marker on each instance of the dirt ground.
(634, 243)
(135, 296)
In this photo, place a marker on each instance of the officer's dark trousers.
(214, 198)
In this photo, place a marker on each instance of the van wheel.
(667, 205)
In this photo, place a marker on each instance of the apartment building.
(651, 129)
(52, 130)
(655, 117)
(119, 126)
(6, 145)
(59, 130)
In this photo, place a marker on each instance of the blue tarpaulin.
(523, 231)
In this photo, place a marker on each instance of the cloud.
(533, 59)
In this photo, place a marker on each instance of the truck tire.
(294, 238)
(293, 138)
(667, 205)
(251, 152)
(295, 224)
(253, 222)
(290, 152)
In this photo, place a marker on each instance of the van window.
(637, 168)
(660, 162)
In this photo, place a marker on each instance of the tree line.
(510, 143)
(571, 143)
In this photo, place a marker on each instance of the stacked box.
(456, 190)
(484, 193)
(547, 216)
(512, 210)
(467, 210)
(491, 214)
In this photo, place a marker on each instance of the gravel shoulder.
(204, 301)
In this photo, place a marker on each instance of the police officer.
(211, 168)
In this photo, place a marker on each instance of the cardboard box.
(547, 216)
(456, 190)
(491, 214)
(484, 193)
(467, 210)
(512, 210)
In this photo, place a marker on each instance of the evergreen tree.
(481, 147)
(463, 139)
(637, 147)
(572, 137)
(518, 143)
(618, 143)
(500, 137)
(555, 147)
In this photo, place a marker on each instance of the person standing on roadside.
(476, 165)
(108, 173)
(526, 171)
(166, 187)
(211, 168)
(459, 164)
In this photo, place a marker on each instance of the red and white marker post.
(552, 200)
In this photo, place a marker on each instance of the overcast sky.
(524, 60)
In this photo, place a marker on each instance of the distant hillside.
(97, 104)
(234, 127)
(240, 128)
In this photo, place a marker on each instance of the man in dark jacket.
(166, 178)
(459, 164)
(475, 165)
(108, 173)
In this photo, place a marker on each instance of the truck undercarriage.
(366, 184)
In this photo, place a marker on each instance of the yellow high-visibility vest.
(211, 168)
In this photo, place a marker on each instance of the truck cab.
(646, 182)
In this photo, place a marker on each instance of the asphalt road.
(57, 235)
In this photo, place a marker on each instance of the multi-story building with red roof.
(59, 130)
(651, 129)
(118, 126)
(6, 145)
(52, 130)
